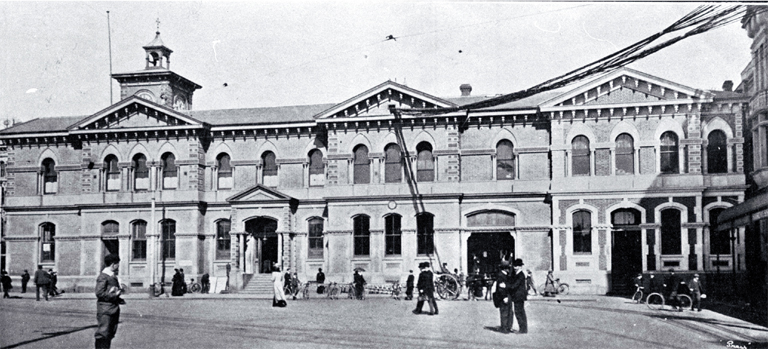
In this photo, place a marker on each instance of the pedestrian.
(205, 281)
(229, 268)
(320, 279)
(655, 285)
(295, 285)
(6, 281)
(176, 281)
(637, 281)
(671, 286)
(183, 283)
(41, 280)
(549, 285)
(487, 284)
(287, 281)
(530, 283)
(52, 286)
(24, 281)
(409, 286)
(359, 282)
(278, 300)
(697, 292)
(426, 286)
(108, 302)
(502, 296)
(519, 294)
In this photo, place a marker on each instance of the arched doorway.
(262, 240)
(626, 249)
(110, 243)
(485, 251)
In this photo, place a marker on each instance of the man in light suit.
(108, 302)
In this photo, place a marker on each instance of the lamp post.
(733, 260)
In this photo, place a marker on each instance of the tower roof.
(157, 43)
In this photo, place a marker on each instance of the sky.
(55, 56)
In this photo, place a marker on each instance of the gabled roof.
(272, 115)
(258, 192)
(126, 109)
(43, 125)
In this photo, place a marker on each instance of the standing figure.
(359, 282)
(549, 285)
(671, 285)
(41, 280)
(529, 279)
(52, 290)
(295, 285)
(182, 282)
(205, 281)
(519, 294)
(502, 297)
(278, 300)
(696, 292)
(6, 281)
(426, 286)
(229, 268)
(108, 302)
(176, 281)
(409, 286)
(24, 281)
(320, 279)
(287, 281)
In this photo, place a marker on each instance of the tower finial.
(158, 25)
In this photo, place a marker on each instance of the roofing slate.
(42, 125)
(294, 113)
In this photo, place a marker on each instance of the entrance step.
(259, 284)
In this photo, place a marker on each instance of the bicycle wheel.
(450, 287)
(655, 301)
(685, 301)
(563, 289)
(638, 296)
(195, 288)
(541, 289)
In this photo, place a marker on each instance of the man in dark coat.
(409, 286)
(696, 292)
(176, 281)
(24, 281)
(52, 290)
(41, 280)
(426, 286)
(502, 296)
(320, 279)
(108, 302)
(183, 281)
(359, 282)
(6, 281)
(205, 282)
(519, 294)
(671, 284)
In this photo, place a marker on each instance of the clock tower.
(157, 83)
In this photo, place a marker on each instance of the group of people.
(179, 287)
(509, 293)
(43, 280)
(671, 287)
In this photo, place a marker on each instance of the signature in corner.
(730, 344)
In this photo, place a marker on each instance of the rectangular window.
(392, 235)
(139, 247)
(362, 236)
(425, 234)
(223, 240)
(671, 237)
(582, 232)
(315, 239)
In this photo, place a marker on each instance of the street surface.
(234, 321)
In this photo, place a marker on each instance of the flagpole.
(109, 35)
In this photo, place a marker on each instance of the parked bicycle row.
(674, 292)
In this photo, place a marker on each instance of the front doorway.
(110, 246)
(626, 250)
(485, 251)
(262, 233)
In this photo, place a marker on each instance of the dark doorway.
(485, 250)
(626, 250)
(264, 231)
(111, 246)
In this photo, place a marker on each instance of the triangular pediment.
(627, 87)
(376, 102)
(258, 192)
(134, 113)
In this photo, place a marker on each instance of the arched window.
(505, 160)
(625, 154)
(580, 154)
(670, 232)
(625, 218)
(47, 242)
(719, 243)
(362, 170)
(392, 235)
(269, 169)
(50, 178)
(139, 240)
(140, 172)
(315, 238)
(168, 238)
(170, 172)
(224, 171)
(669, 153)
(362, 235)
(393, 164)
(223, 240)
(717, 152)
(425, 163)
(316, 168)
(112, 173)
(582, 232)
(425, 234)
(491, 218)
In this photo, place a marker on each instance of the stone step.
(259, 284)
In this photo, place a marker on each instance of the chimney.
(465, 89)
(728, 85)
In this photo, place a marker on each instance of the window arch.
(47, 242)
(316, 168)
(362, 168)
(425, 163)
(669, 162)
(110, 228)
(625, 154)
(425, 234)
(624, 218)
(139, 240)
(315, 238)
(392, 235)
(269, 169)
(719, 243)
(224, 171)
(140, 172)
(223, 240)
(168, 236)
(582, 232)
(393, 164)
(112, 173)
(491, 218)
(170, 171)
(671, 236)
(580, 155)
(362, 235)
(505, 160)
(50, 177)
(717, 152)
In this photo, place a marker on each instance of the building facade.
(615, 175)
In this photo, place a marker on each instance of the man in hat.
(671, 284)
(519, 294)
(108, 302)
(501, 297)
(696, 292)
(426, 286)
(409, 286)
(41, 280)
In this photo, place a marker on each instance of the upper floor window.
(582, 232)
(580, 154)
(47, 243)
(316, 238)
(223, 240)
(362, 170)
(362, 235)
(717, 152)
(316, 168)
(139, 240)
(719, 243)
(269, 169)
(392, 235)
(669, 153)
(168, 237)
(505, 160)
(140, 172)
(393, 164)
(112, 173)
(2, 169)
(50, 177)
(425, 163)
(671, 237)
(170, 172)
(425, 234)
(224, 171)
(625, 154)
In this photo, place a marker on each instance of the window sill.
(584, 254)
(138, 261)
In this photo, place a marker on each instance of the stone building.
(609, 176)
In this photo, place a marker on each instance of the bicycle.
(560, 288)
(352, 292)
(304, 290)
(656, 301)
(332, 291)
(447, 286)
(637, 297)
(194, 287)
